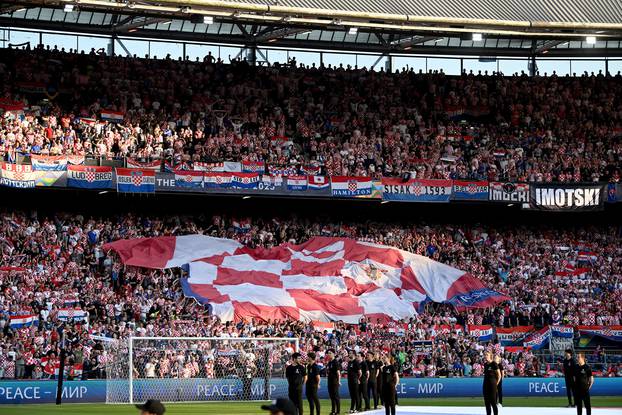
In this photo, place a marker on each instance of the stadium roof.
(509, 27)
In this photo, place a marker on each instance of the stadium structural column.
(533, 67)
(61, 371)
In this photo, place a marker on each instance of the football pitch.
(252, 408)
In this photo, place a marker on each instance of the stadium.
(314, 206)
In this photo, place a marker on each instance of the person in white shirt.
(150, 369)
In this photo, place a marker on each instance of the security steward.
(390, 379)
(372, 384)
(354, 377)
(313, 383)
(568, 369)
(296, 377)
(583, 381)
(363, 396)
(492, 377)
(333, 373)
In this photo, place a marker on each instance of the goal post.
(197, 369)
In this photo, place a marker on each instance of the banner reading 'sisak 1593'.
(415, 190)
(567, 197)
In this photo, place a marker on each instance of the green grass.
(234, 408)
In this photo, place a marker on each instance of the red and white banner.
(148, 165)
(325, 279)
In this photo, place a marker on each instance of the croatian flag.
(509, 336)
(89, 177)
(613, 333)
(149, 165)
(324, 279)
(242, 226)
(48, 163)
(350, 186)
(135, 180)
(23, 320)
(217, 180)
(562, 331)
(245, 180)
(586, 256)
(482, 333)
(189, 179)
(323, 326)
(72, 314)
(318, 182)
(70, 302)
(271, 180)
(297, 183)
(539, 339)
(112, 116)
(253, 167)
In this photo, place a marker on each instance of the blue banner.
(21, 392)
(470, 190)
(89, 177)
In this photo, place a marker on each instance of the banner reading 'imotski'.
(566, 196)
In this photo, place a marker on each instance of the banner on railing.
(509, 336)
(470, 190)
(203, 389)
(89, 177)
(18, 175)
(51, 178)
(350, 186)
(135, 180)
(483, 333)
(188, 179)
(416, 190)
(508, 192)
(566, 197)
(148, 165)
(566, 332)
(48, 163)
(612, 333)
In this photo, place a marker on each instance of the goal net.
(190, 369)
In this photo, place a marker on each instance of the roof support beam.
(280, 33)
(410, 42)
(136, 23)
(548, 45)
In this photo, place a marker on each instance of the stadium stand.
(567, 275)
(429, 125)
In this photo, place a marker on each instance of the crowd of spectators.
(567, 275)
(344, 121)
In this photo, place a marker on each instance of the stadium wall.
(94, 391)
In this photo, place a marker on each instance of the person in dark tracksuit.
(583, 381)
(492, 377)
(568, 370)
(363, 396)
(390, 379)
(313, 384)
(296, 377)
(333, 373)
(380, 364)
(372, 382)
(354, 376)
(500, 385)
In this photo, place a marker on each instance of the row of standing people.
(370, 376)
